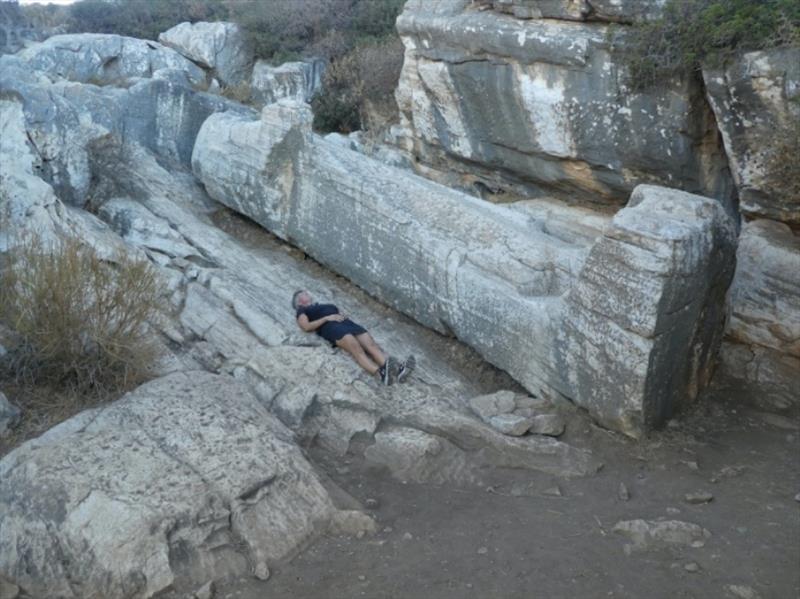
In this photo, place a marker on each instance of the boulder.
(541, 107)
(103, 59)
(511, 424)
(552, 425)
(765, 295)
(756, 102)
(292, 80)
(494, 404)
(85, 516)
(654, 285)
(650, 534)
(538, 306)
(220, 47)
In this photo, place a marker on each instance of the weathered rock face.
(501, 284)
(540, 106)
(765, 296)
(652, 292)
(64, 118)
(221, 47)
(233, 491)
(756, 103)
(102, 59)
(291, 80)
(625, 11)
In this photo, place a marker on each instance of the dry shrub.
(79, 323)
(358, 89)
(241, 92)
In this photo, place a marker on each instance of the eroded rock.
(557, 313)
(221, 47)
(232, 490)
(650, 534)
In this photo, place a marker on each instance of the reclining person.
(326, 321)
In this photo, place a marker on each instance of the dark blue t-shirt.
(330, 331)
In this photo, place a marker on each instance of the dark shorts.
(333, 331)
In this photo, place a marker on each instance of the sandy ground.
(517, 538)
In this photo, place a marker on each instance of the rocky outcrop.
(104, 59)
(63, 118)
(624, 11)
(763, 348)
(765, 296)
(291, 80)
(540, 107)
(520, 296)
(756, 100)
(233, 492)
(220, 47)
(652, 295)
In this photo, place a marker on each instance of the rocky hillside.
(516, 313)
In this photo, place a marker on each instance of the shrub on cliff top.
(708, 32)
(78, 322)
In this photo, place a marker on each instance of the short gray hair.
(296, 296)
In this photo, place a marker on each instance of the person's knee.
(349, 343)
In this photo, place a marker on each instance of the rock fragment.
(698, 498)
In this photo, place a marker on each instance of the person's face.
(304, 299)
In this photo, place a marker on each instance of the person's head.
(300, 298)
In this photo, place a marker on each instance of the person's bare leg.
(351, 345)
(372, 348)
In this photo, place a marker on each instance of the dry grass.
(78, 323)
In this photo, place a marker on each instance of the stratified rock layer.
(520, 296)
(541, 106)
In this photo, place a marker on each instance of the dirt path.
(518, 538)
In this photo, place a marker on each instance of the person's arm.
(312, 325)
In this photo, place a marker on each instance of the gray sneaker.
(387, 371)
(406, 368)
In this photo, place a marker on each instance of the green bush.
(707, 32)
(79, 323)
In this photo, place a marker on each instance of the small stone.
(362, 577)
(622, 493)
(371, 503)
(797, 497)
(482, 551)
(552, 491)
(261, 571)
(698, 498)
(673, 510)
(697, 544)
(205, 592)
(692, 465)
(407, 536)
(360, 534)
(691, 567)
(511, 424)
(388, 529)
(742, 592)
(552, 425)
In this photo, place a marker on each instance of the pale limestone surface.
(102, 59)
(541, 107)
(186, 478)
(756, 101)
(539, 307)
(293, 80)
(221, 47)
